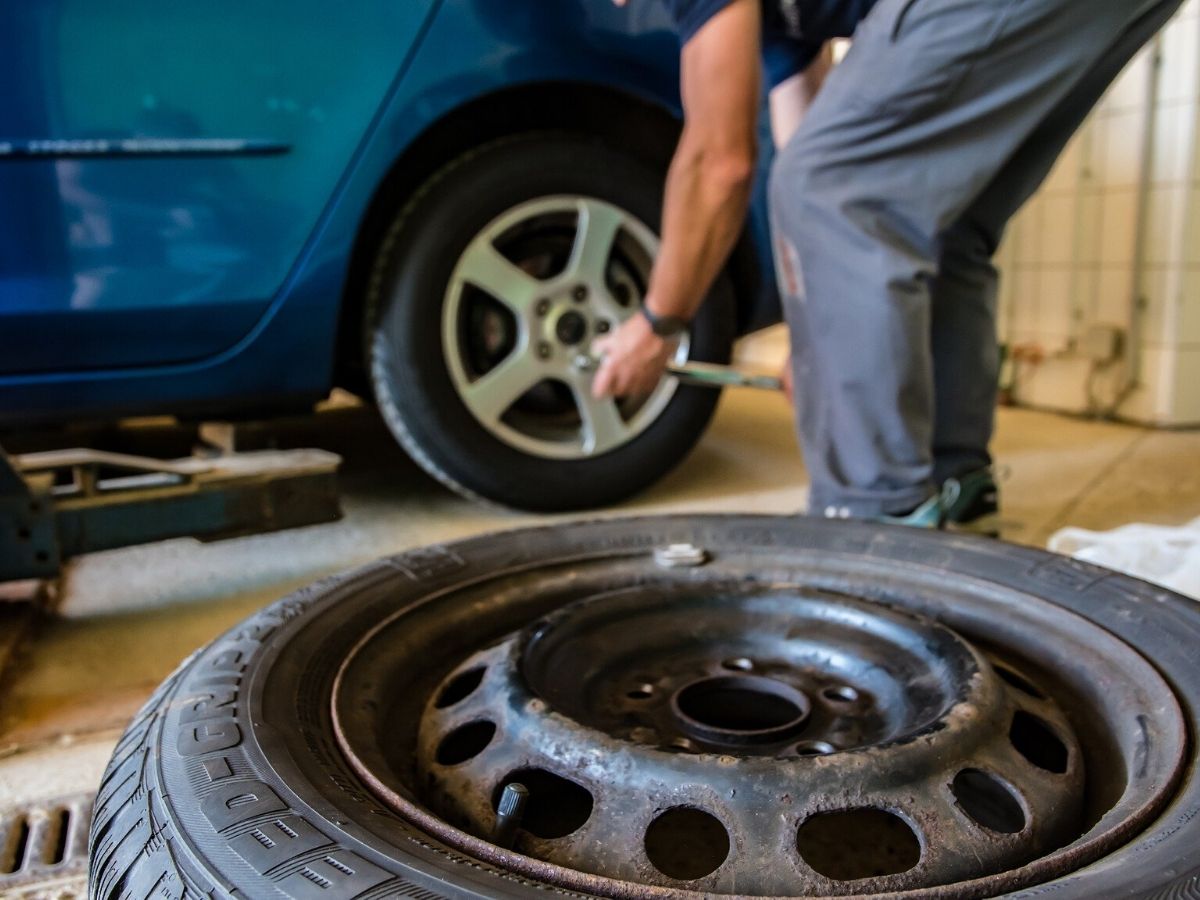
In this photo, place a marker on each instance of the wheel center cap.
(571, 328)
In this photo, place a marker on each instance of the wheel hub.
(737, 711)
(571, 328)
(672, 737)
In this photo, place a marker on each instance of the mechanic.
(888, 202)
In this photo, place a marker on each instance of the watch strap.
(664, 326)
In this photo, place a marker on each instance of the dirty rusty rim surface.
(815, 726)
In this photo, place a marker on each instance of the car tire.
(419, 364)
(231, 783)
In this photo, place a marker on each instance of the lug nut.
(543, 307)
(602, 327)
(544, 350)
(580, 293)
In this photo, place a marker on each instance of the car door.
(163, 165)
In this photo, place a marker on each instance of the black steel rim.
(981, 770)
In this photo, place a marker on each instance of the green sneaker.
(930, 514)
(975, 503)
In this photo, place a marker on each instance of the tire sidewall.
(282, 663)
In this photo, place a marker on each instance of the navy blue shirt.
(793, 30)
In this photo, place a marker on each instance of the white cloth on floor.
(1166, 555)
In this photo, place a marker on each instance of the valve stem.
(509, 813)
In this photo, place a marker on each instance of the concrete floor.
(122, 620)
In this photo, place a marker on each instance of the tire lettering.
(239, 801)
(229, 660)
(256, 631)
(208, 726)
(209, 706)
(273, 843)
(348, 787)
(337, 874)
(208, 717)
(217, 680)
(208, 737)
(218, 768)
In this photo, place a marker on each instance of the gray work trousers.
(888, 205)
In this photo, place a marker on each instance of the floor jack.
(63, 503)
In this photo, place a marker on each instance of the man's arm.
(707, 193)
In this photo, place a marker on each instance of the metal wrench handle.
(716, 376)
(702, 374)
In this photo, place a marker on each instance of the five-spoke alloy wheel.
(488, 294)
(524, 303)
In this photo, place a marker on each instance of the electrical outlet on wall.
(1102, 343)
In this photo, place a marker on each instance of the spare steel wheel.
(693, 706)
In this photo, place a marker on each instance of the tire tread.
(129, 847)
(384, 261)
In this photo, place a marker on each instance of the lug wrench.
(713, 375)
(702, 374)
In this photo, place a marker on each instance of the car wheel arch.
(649, 128)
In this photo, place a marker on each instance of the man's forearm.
(704, 208)
(707, 194)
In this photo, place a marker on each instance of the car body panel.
(191, 152)
(220, 283)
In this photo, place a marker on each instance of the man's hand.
(634, 359)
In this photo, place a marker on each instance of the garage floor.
(124, 619)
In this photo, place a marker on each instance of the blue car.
(225, 210)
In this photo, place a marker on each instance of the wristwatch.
(664, 326)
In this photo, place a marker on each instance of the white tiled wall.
(1070, 257)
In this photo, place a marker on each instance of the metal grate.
(43, 849)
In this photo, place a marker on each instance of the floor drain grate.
(43, 847)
